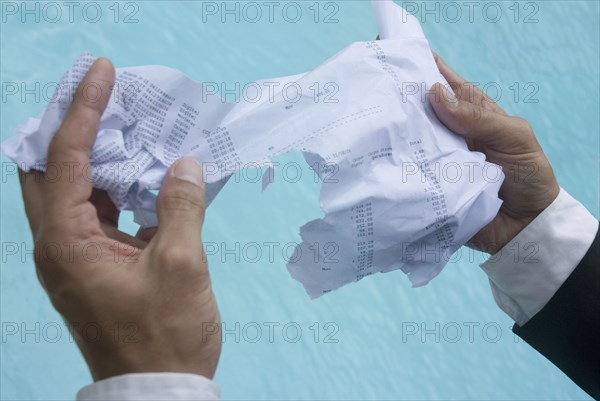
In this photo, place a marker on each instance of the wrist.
(117, 357)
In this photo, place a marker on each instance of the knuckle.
(182, 200)
(177, 257)
(471, 118)
(476, 113)
(64, 152)
(523, 125)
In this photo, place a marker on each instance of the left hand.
(136, 304)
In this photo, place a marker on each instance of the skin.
(155, 286)
(530, 185)
(153, 290)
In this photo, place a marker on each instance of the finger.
(32, 188)
(146, 234)
(124, 238)
(448, 73)
(498, 131)
(464, 89)
(108, 214)
(70, 149)
(180, 208)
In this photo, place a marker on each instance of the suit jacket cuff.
(528, 271)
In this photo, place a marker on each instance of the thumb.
(180, 206)
(473, 121)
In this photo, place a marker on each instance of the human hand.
(148, 298)
(530, 185)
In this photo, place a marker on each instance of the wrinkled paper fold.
(399, 190)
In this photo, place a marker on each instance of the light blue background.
(374, 358)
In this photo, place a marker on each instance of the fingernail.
(189, 170)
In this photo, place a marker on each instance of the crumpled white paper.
(399, 190)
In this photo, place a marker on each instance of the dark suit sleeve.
(567, 329)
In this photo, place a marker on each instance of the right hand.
(530, 185)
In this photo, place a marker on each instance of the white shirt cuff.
(151, 386)
(527, 272)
